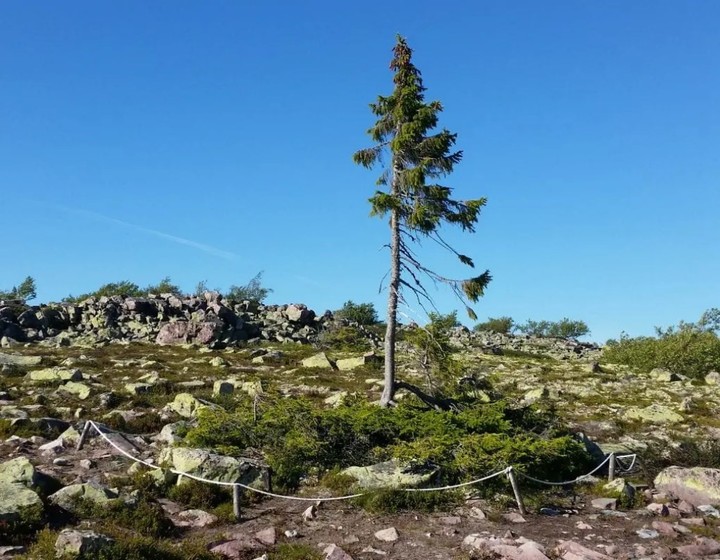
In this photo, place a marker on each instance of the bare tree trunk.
(393, 294)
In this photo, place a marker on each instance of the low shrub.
(688, 352)
(392, 501)
(142, 515)
(300, 438)
(199, 495)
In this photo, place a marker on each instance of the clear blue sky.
(212, 140)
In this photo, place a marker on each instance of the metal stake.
(611, 467)
(237, 494)
(83, 435)
(516, 490)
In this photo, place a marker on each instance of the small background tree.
(360, 313)
(417, 205)
(25, 291)
(500, 325)
(252, 291)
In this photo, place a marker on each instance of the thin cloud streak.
(209, 249)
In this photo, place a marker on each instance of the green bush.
(143, 515)
(199, 495)
(300, 438)
(361, 313)
(391, 501)
(500, 325)
(688, 352)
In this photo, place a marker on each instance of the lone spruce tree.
(419, 156)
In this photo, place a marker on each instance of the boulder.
(713, 378)
(67, 498)
(300, 314)
(54, 375)
(212, 466)
(183, 332)
(346, 364)
(654, 414)
(21, 471)
(390, 474)
(22, 361)
(697, 485)
(660, 374)
(19, 504)
(319, 361)
(186, 405)
(80, 390)
(72, 543)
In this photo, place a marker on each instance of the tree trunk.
(393, 294)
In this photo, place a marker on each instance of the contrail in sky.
(161, 234)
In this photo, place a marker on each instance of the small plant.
(295, 552)
(200, 495)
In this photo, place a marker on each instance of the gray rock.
(68, 497)
(319, 361)
(18, 503)
(18, 360)
(387, 535)
(212, 466)
(72, 543)
(697, 486)
(390, 474)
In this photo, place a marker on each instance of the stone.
(654, 414)
(570, 550)
(310, 513)
(387, 535)
(195, 518)
(80, 390)
(702, 546)
(334, 552)
(647, 533)
(697, 485)
(318, 361)
(514, 517)
(223, 388)
(300, 314)
(237, 548)
(605, 503)
(18, 471)
(22, 361)
(55, 375)
(664, 528)
(212, 466)
(17, 502)
(170, 433)
(67, 498)
(348, 364)
(390, 474)
(186, 405)
(713, 378)
(268, 536)
(72, 543)
(138, 388)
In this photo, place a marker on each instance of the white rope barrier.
(235, 485)
(632, 463)
(548, 483)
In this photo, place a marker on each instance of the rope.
(548, 483)
(453, 486)
(618, 460)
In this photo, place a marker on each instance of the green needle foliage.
(411, 195)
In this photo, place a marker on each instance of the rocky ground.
(69, 374)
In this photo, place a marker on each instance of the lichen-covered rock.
(655, 414)
(80, 390)
(72, 543)
(390, 474)
(19, 504)
(69, 497)
(212, 466)
(55, 375)
(697, 485)
(186, 405)
(319, 361)
(22, 361)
